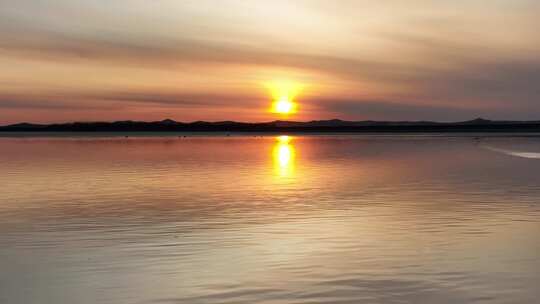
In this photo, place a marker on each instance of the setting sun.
(283, 96)
(284, 106)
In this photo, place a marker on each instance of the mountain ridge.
(330, 125)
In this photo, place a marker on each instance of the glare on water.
(284, 156)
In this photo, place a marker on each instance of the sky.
(188, 60)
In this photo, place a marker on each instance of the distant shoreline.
(128, 135)
(319, 126)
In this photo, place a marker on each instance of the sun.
(284, 106)
(283, 96)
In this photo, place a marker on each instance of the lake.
(269, 219)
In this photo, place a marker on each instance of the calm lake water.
(244, 219)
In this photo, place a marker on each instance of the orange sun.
(283, 95)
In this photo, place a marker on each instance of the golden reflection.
(283, 155)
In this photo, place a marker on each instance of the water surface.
(251, 219)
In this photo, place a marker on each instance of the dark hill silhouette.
(333, 125)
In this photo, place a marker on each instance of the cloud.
(440, 61)
(51, 102)
(448, 69)
(174, 99)
(406, 110)
(397, 110)
(108, 100)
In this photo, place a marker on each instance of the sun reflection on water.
(283, 155)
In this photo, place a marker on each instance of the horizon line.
(266, 122)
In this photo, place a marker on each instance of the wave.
(514, 152)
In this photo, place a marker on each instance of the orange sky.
(208, 60)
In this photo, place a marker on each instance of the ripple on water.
(336, 219)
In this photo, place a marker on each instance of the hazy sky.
(209, 60)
